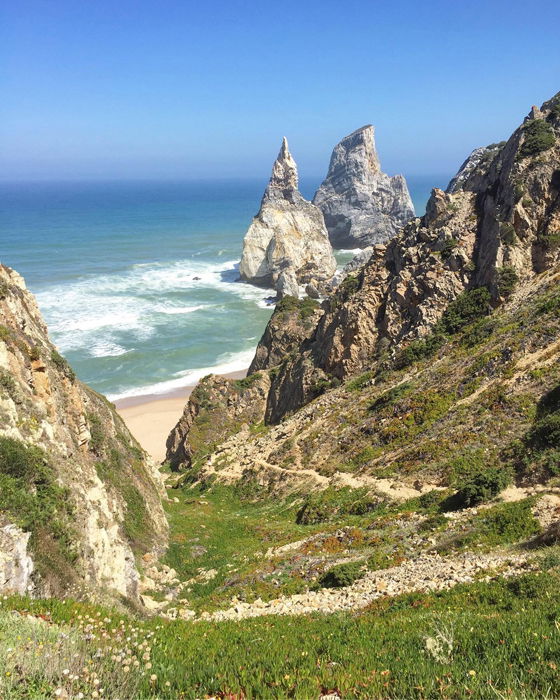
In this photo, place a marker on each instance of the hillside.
(80, 499)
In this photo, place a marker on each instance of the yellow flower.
(472, 673)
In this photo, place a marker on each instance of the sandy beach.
(150, 418)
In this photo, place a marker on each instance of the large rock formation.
(361, 204)
(80, 499)
(287, 243)
(498, 226)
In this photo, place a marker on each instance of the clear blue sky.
(176, 88)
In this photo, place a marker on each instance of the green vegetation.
(507, 231)
(538, 452)
(502, 639)
(419, 350)
(505, 523)
(61, 363)
(507, 281)
(478, 478)
(342, 575)
(4, 290)
(8, 384)
(331, 503)
(448, 248)
(358, 383)
(478, 332)
(466, 308)
(32, 498)
(306, 306)
(247, 382)
(539, 137)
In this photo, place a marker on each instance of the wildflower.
(66, 671)
(58, 692)
(126, 669)
(472, 673)
(153, 678)
(168, 684)
(148, 665)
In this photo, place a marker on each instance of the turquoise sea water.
(138, 280)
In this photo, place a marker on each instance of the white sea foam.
(107, 349)
(226, 363)
(134, 301)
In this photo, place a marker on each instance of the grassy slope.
(502, 641)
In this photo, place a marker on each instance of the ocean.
(138, 281)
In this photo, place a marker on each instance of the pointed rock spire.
(284, 179)
(362, 205)
(287, 244)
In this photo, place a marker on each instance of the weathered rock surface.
(16, 564)
(502, 218)
(287, 243)
(397, 297)
(112, 488)
(361, 204)
(217, 408)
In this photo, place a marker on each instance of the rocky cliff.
(492, 235)
(287, 243)
(362, 205)
(80, 500)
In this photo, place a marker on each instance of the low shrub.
(359, 383)
(419, 350)
(478, 477)
(538, 137)
(342, 575)
(478, 332)
(247, 382)
(466, 308)
(331, 503)
(507, 281)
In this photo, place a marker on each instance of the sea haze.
(138, 280)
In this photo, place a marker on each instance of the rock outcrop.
(362, 205)
(287, 243)
(499, 226)
(80, 499)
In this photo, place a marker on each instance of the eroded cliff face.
(287, 243)
(499, 225)
(80, 499)
(497, 228)
(362, 205)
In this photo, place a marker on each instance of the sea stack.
(287, 244)
(362, 205)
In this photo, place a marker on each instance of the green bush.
(507, 281)
(331, 503)
(448, 248)
(539, 137)
(466, 308)
(507, 232)
(389, 397)
(478, 478)
(306, 306)
(509, 522)
(247, 382)
(359, 383)
(478, 332)
(419, 350)
(342, 575)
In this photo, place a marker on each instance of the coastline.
(151, 417)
